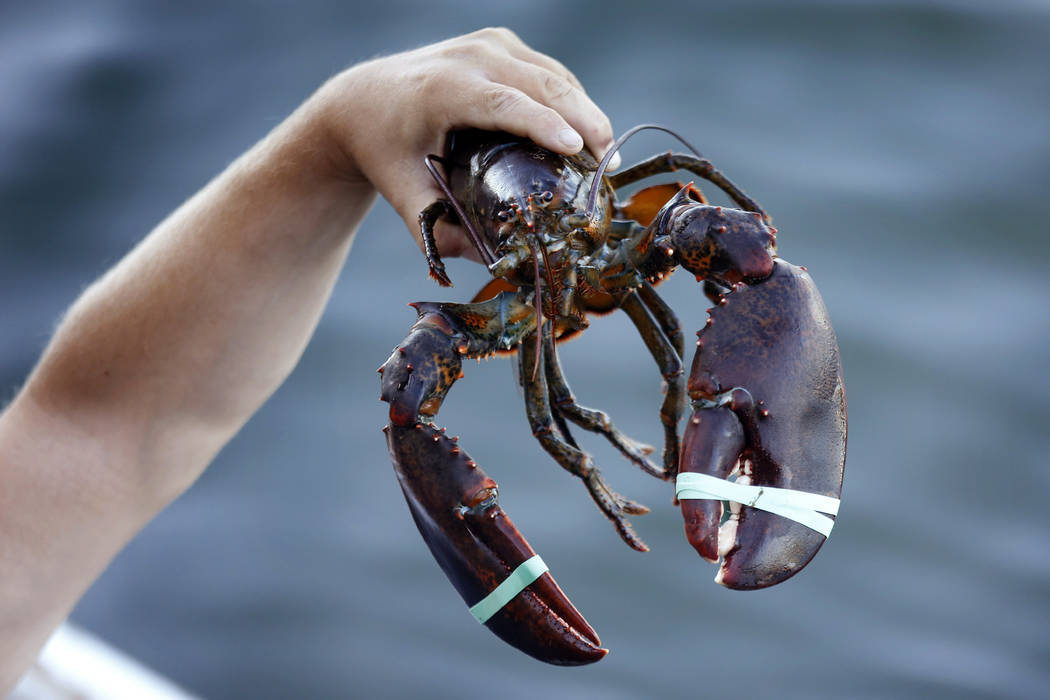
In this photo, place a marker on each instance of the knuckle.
(556, 88)
(600, 128)
(498, 34)
(465, 50)
(571, 77)
(504, 100)
(559, 69)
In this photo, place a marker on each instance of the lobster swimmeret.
(769, 406)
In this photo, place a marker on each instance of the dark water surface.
(904, 151)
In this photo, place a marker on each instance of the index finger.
(546, 81)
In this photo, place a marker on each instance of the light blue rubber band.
(527, 572)
(800, 506)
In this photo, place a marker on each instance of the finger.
(507, 60)
(560, 94)
(520, 50)
(500, 107)
(596, 129)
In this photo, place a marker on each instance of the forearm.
(199, 324)
(158, 364)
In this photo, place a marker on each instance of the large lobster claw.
(770, 409)
(456, 507)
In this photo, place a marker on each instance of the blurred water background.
(903, 149)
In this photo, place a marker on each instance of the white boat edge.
(76, 664)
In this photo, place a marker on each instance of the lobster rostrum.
(764, 448)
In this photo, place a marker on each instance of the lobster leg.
(454, 504)
(670, 162)
(669, 360)
(564, 404)
(572, 459)
(665, 315)
(427, 218)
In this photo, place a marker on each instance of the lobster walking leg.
(670, 162)
(669, 360)
(665, 315)
(572, 459)
(454, 504)
(427, 218)
(564, 403)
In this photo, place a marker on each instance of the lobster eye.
(503, 215)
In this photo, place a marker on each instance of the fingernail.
(570, 139)
(615, 161)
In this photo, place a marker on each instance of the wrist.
(301, 174)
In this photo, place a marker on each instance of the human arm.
(161, 361)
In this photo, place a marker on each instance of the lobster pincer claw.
(420, 371)
(770, 410)
(455, 505)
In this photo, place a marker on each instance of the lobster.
(758, 469)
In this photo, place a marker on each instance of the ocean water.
(903, 149)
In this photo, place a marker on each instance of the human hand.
(387, 114)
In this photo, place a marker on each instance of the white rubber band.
(527, 572)
(800, 506)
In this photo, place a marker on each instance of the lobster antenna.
(475, 237)
(604, 165)
(538, 300)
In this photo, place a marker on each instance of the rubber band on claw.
(800, 506)
(518, 580)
